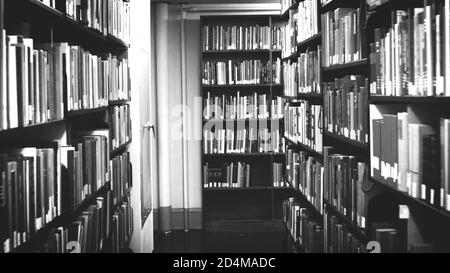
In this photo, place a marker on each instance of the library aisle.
(244, 127)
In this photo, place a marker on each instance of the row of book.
(345, 185)
(289, 36)
(41, 183)
(229, 38)
(232, 107)
(412, 157)
(307, 20)
(242, 141)
(304, 76)
(91, 81)
(121, 176)
(343, 39)
(412, 57)
(241, 72)
(338, 238)
(306, 175)
(346, 104)
(231, 175)
(278, 175)
(95, 230)
(303, 124)
(40, 76)
(110, 17)
(303, 228)
(120, 125)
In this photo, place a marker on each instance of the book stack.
(108, 17)
(306, 175)
(343, 40)
(338, 238)
(346, 104)
(121, 176)
(302, 227)
(245, 72)
(278, 172)
(242, 141)
(31, 193)
(231, 175)
(345, 186)
(87, 234)
(309, 72)
(33, 86)
(411, 58)
(228, 38)
(303, 124)
(120, 122)
(239, 107)
(289, 35)
(91, 79)
(412, 157)
(308, 21)
(122, 227)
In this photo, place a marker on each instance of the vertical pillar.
(163, 126)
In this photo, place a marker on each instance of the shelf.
(307, 96)
(243, 120)
(351, 65)
(31, 128)
(292, 57)
(72, 31)
(285, 15)
(374, 99)
(119, 102)
(240, 51)
(85, 112)
(41, 236)
(353, 228)
(119, 150)
(316, 214)
(244, 155)
(348, 142)
(333, 4)
(409, 199)
(249, 189)
(312, 41)
(241, 86)
(312, 152)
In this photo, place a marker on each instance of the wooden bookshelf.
(374, 99)
(351, 66)
(308, 43)
(45, 25)
(348, 142)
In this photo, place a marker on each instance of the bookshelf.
(45, 31)
(412, 209)
(258, 199)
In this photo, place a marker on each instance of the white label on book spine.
(442, 197)
(409, 183)
(6, 247)
(404, 212)
(414, 189)
(424, 192)
(432, 193)
(363, 222)
(448, 202)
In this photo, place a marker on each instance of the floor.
(227, 237)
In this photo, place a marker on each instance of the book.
(230, 175)
(120, 121)
(121, 176)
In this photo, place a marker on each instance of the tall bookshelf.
(413, 215)
(46, 28)
(259, 198)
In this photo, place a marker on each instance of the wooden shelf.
(241, 86)
(119, 150)
(243, 120)
(312, 152)
(331, 5)
(347, 66)
(405, 197)
(248, 189)
(85, 112)
(285, 15)
(312, 41)
(31, 128)
(353, 228)
(244, 155)
(307, 96)
(292, 57)
(119, 102)
(374, 99)
(349, 142)
(239, 51)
